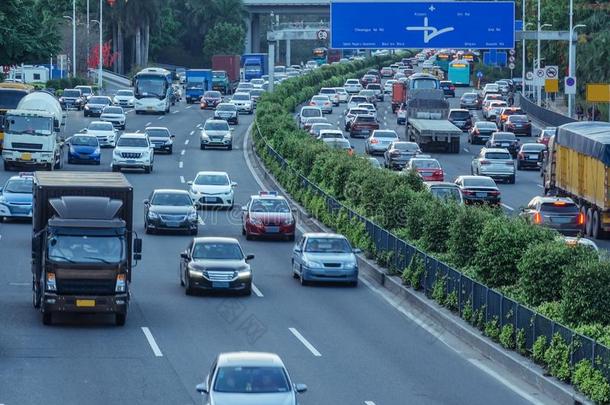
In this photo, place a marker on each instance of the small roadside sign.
(511, 66)
(529, 75)
(539, 76)
(322, 35)
(511, 58)
(551, 85)
(551, 72)
(598, 93)
(569, 85)
(479, 74)
(511, 52)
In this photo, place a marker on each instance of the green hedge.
(570, 285)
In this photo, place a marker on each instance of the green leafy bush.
(464, 233)
(551, 310)
(557, 358)
(439, 290)
(591, 382)
(586, 296)
(539, 349)
(520, 342)
(596, 331)
(492, 329)
(507, 336)
(416, 271)
(467, 312)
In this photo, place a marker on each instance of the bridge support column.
(278, 50)
(248, 41)
(256, 33)
(288, 53)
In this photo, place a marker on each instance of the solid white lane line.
(369, 403)
(148, 123)
(189, 107)
(256, 291)
(466, 150)
(308, 345)
(540, 185)
(186, 142)
(161, 117)
(181, 164)
(152, 342)
(182, 152)
(192, 132)
(175, 112)
(182, 179)
(508, 207)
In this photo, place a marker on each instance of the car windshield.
(125, 93)
(171, 199)
(337, 143)
(533, 147)
(469, 96)
(84, 141)
(17, 124)
(269, 205)
(241, 97)
(251, 380)
(132, 142)
(328, 91)
(546, 133)
(100, 126)
(462, 115)
(405, 146)
(86, 249)
(486, 125)
(327, 245)
(212, 94)
(497, 155)
(365, 118)
(367, 92)
(226, 107)
(158, 132)
(113, 110)
(19, 186)
(445, 192)
(72, 93)
(479, 182)
(99, 100)
(358, 99)
(426, 164)
(320, 98)
(212, 180)
(559, 207)
(358, 111)
(85, 90)
(385, 134)
(257, 92)
(373, 87)
(352, 82)
(216, 126)
(518, 118)
(424, 84)
(311, 112)
(217, 251)
(504, 137)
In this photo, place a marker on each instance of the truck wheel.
(7, 166)
(36, 294)
(511, 179)
(595, 225)
(119, 319)
(47, 318)
(589, 222)
(147, 169)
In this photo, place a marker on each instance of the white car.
(355, 100)
(212, 189)
(369, 107)
(308, 112)
(331, 92)
(216, 133)
(491, 88)
(124, 98)
(105, 132)
(243, 102)
(352, 86)
(115, 115)
(257, 83)
(133, 151)
(387, 87)
(342, 93)
(331, 133)
(244, 87)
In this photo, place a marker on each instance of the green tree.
(224, 38)
(586, 296)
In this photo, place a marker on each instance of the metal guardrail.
(551, 118)
(493, 304)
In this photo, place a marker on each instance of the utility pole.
(538, 87)
(101, 61)
(523, 53)
(88, 41)
(73, 38)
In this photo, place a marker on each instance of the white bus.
(152, 90)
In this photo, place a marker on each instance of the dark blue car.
(84, 149)
(16, 197)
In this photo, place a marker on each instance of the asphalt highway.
(350, 346)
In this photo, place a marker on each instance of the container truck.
(33, 133)
(577, 165)
(230, 65)
(399, 95)
(254, 65)
(10, 96)
(82, 244)
(198, 81)
(427, 124)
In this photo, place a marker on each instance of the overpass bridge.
(256, 8)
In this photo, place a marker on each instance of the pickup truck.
(363, 126)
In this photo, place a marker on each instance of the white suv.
(243, 102)
(133, 151)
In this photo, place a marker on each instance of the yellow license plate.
(85, 303)
(26, 156)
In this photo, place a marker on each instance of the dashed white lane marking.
(540, 185)
(466, 150)
(175, 112)
(20, 284)
(182, 179)
(148, 123)
(181, 164)
(152, 342)
(369, 403)
(137, 131)
(200, 220)
(199, 126)
(508, 207)
(182, 152)
(256, 291)
(305, 342)
(192, 132)
(189, 107)
(161, 117)
(186, 142)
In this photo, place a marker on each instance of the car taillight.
(476, 131)
(312, 103)
(521, 155)
(537, 218)
(452, 87)
(485, 162)
(580, 220)
(494, 192)
(395, 152)
(374, 140)
(509, 164)
(467, 192)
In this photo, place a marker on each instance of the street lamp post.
(572, 56)
(100, 56)
(540, 28)
(524, 56)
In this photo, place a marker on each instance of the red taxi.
(268, 214)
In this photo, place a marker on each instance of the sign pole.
(523, 53)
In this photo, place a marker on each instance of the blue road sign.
(518, 25)
(432, 24)
(494, 58)
(479, 74)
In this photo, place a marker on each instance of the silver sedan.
(379, 141)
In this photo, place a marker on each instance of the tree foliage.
(224, 39)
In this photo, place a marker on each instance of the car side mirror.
(173, 136)
(357, 250)
(249, 257)
(297, 249)
(137, 245)
(184, 255)
(146, 202)
(233, 184)
(202, 388)
(244, 208)
(300, 388)
(189, 183)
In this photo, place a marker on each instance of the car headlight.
(244, 273)
(153, 215)
(61, 99)
(2, 199)
(227, 137)
(351, 265)
(313, 264)
(256, 221)
(160, 104)
(87, 107)
(97, 151)
(192, 216)
(205, 136)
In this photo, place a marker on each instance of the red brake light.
(521, 156)
(494, 192)
(374, 140)
(537, 218)
(559, 203)
(581, 218)
(485, 162)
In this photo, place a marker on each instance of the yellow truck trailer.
(578, 166)
(10, 95)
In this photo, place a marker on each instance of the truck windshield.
(150, 86)
(255, 69)
(86, 249)
(29, 125)
(196, 82)
(10, 98)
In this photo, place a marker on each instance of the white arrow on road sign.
(551, 72)
(511, 65)
(511, 58)
(322, 35)
(511, 52)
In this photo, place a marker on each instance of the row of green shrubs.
(529, 264)
(69, 83)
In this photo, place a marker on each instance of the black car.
(72, 98)
(448, 88)
(481, 132)
(214, 263)
(470, 101)
(478, 189)
(211, 99)
(460, 118)
(161, 139)
(227, 112)
(505, 140)
(399, 153)
(518, 124)
(529, 155)
(96, 105)
(170, 210)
